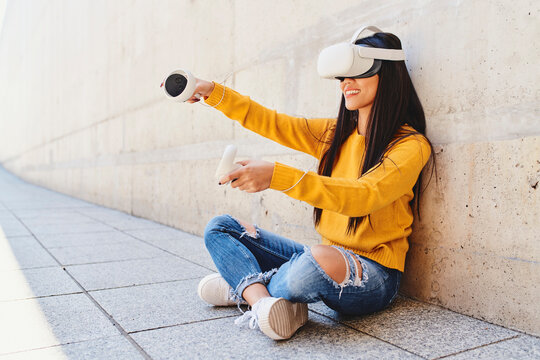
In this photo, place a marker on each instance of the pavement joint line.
(157, 247)
(370, 335)
(41, 297)
(98, 305)
(113, 242)
(17, 236)
(477, 347)
(29, 268)
(183, 324)
(108, 261)
(145, 284)
(464, 315)
(111, 261)
(70, 233)
(170, 252)
(47, 208)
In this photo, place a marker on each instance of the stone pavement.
(80, 281)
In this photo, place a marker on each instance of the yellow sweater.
(384, 193)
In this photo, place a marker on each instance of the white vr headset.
(348, 60)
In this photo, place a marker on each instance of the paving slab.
(135, 272)
(29, 283)
(70, 228)
(105, 214)
(56, 219)
(183, 244)
(320, 338)
(23, 252)
(521, 347)
(44, 204)
(119, 220)
(427, 330)
(6, 214)
(25, 214)
(84, 239)
(91, 253)
(153, 306)
(43, 322)
(12, 227)
(116, 347)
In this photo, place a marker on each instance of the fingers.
(232, 175)
(193, 100)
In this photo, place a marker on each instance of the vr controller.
(179, 85)
(226, 165)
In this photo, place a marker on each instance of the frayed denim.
(289, 270)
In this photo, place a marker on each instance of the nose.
(344, 82)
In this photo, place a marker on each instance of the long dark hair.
(396, 104)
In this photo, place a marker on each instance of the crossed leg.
(331, 260)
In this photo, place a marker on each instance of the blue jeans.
(289, 270)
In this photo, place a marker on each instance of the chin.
(351, 107)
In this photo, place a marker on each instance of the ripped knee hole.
(330, 262)
(250, 229)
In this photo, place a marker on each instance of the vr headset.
(349, 60)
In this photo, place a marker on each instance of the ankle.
(254, 292)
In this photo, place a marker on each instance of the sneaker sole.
(283, 319)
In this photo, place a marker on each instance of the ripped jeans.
(289, 270)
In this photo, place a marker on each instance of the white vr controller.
(179, 85)
(227, 165)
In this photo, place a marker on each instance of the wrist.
(208, 88)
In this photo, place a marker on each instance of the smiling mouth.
(350, 93)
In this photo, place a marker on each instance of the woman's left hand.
(253, 176)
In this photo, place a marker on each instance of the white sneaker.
(216, 291)
(277, 318)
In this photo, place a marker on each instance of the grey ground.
(80, 281)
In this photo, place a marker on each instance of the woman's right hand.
(203, 87)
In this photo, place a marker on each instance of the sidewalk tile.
(35, 214)
(152, 306)
(522, 347)
(44, 204)
(320, 338)
(29, 283)
(56, 219)
(116, 347)
(82, 239)
(12, 227)
(70, 228)
(105, 252)
(104, 214)
(23, 252)
(134, 224)
(135, 272)
(119, 220)
(43, 322)
(6, 214)
(424, 329)
(183, 244)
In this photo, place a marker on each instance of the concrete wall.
(82, 113)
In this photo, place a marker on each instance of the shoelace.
(249, 318)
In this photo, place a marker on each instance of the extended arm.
(298, 133)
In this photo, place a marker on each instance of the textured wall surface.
(81, 112)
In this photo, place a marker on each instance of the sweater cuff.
(217, 96)
(284, 177)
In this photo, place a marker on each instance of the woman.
(371, 158)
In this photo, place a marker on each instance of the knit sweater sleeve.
(294, 132)
(374, 190)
